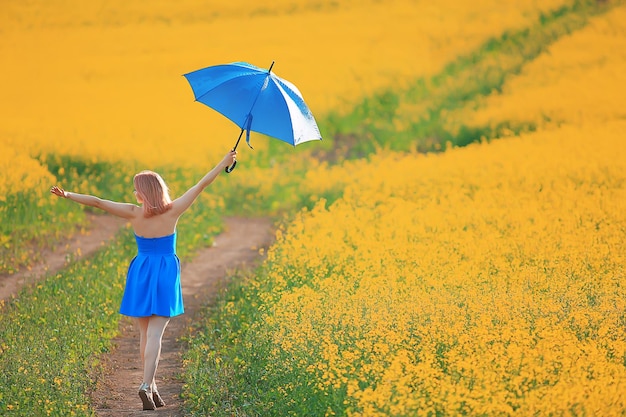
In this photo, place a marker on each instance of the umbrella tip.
(270, 70)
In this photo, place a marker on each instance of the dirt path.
(101, 229)
(236, 248)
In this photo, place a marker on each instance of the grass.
(51, 335)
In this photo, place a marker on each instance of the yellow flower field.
(102, 82)
(486, 280)
(105, 80)
(580, 79)
(482, 281)
(19, 172)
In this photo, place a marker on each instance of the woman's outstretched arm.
(183, 202)
(124, 210)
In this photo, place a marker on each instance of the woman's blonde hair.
(153, 191)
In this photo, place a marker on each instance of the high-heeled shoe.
(146, 397)
(158, 401)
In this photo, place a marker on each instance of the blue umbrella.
(256, 100)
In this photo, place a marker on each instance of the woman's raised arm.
(183, 202)
(124, 210)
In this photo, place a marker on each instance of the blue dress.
(153, 279)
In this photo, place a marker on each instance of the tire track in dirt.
(116, 393)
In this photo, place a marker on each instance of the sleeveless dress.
(153, 280)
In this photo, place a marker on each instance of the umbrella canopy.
(256, 100)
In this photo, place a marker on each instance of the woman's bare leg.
(152, 351)
(142, 323)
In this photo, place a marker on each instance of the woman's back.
(155, 226)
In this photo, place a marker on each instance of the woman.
(153, 291)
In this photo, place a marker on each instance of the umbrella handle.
(230, 168)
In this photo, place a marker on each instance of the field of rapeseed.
(477, 281)
(100, 86)
(485, 280)
(481, 281)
